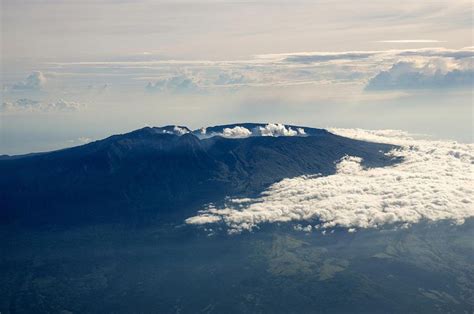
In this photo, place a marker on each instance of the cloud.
(410, 41)
(434, 182)
(271, 129)
(175, 129)
(29, 105)
(80, 140)
(277, 129)
(176, 84)
(236, 132)
(299, 227)
(432, 74)
(179, 130)
(231, 78)
(261, 71)
(328, 56)
(465, 53)
(35, 81)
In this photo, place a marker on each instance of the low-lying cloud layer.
(434, 182)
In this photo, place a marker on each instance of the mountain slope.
(154, 172)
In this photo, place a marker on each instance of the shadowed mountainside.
(153, 172)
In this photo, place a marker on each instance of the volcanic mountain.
(159, 172)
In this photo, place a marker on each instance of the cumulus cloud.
(299, 227)
(434, 182)
(29, 105)
(176, 130)
(35, 81)
(236, 132)
(271, 129)
(277, 129)
(432, 74)
(301, 131)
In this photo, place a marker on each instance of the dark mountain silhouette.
(153, 173)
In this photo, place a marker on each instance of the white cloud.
(299, 227)
(411, 41)
(62, 105)
(329, 56)
(236, 132)
(434, 73)
(35, 81)
(271, 129)
(433, 182)
(301, 131)
(261, 71)
(179, 130)
(277, 129)
(180, 83)
(231, 78)
(176, 130)
(84, 140)
(29, 105)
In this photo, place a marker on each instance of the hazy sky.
(73, 71)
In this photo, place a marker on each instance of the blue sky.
(73, 71)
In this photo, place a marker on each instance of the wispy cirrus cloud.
(411, 41)
(178, 84)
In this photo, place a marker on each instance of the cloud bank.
(277, 70)
(410, 41)
(434, 182)
(433, 74)
(177, 84)
(29, 105)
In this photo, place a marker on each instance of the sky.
(76, 71)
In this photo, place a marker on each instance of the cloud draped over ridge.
(434, 182)
(271, 129)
